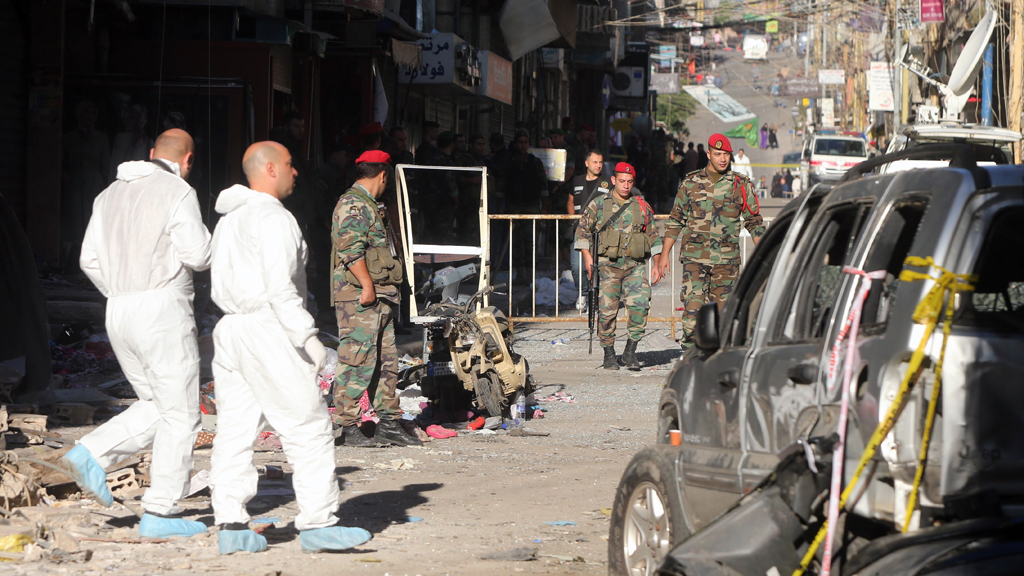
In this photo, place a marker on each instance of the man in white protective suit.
(144, 239)
(267, 359)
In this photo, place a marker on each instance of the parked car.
(830, 153)
(754, 385)
(991, 145)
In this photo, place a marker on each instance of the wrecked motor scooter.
(468, 354)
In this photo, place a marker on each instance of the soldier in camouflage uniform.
(709, 207)
(366, 280)
(623, 248)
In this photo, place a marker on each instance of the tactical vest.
(634, 243)
(381, 261)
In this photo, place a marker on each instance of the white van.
(830, 153)
(755, 47)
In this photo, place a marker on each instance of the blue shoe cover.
(332, 538)
(88, 473)
(231, 541)
(156, 527)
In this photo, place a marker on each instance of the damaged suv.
(754, 386)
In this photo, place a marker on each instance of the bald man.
(144, 239)
(267, 361)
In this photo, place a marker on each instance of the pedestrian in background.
(741, 164)
(702, 157)
(585, 188)
(690, 160)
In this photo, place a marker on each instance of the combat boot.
(352, 435)
(391, 432)
(610, 363)
(629, 356)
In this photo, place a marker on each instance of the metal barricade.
(673, 275)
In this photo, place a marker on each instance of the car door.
(784, 373)
(709, 403)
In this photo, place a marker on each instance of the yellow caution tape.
(927, 313)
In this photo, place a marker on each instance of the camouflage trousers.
(703, 283)
(367, 361)
(630, 288)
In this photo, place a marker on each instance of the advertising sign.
(665, 83)
(831, 77)
(800, 86)
(497, 77)
(553, 160)
(880, 81)
(828, 116)
(931, 11)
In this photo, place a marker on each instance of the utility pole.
(807, 46)
(897, 72)
(1016, 100)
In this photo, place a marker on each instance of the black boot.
(391, 432)
(352, 435)
(629, 356)
(610, 363)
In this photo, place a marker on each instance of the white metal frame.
(410, 249)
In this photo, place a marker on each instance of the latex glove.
(317, 353)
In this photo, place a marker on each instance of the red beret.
(376, 156)
(625, 169)
(371, 128)
(719, 142)
(586, 127)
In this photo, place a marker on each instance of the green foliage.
(675, 109)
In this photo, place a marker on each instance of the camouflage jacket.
(356, 226)
(594, 218)
(707, 216)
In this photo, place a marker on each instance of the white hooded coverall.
(261, 372)
(145, 237)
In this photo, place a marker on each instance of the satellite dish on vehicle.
(958, 90)
(961, 80)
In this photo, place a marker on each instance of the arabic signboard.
(497, 77)
(799, 86)
(831, 77)
(665, 83)
(828, 115)
(880, 81)
(719, 103)
(931, 11)
(438, 60)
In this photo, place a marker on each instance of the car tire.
(647, 520)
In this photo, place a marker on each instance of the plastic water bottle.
(520, 417)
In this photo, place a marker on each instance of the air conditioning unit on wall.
(629, 81)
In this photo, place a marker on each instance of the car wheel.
(647, 517)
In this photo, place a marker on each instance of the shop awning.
(531, 24)
(407, 54)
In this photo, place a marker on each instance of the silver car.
(755, 385)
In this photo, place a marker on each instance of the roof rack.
(961, 156)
